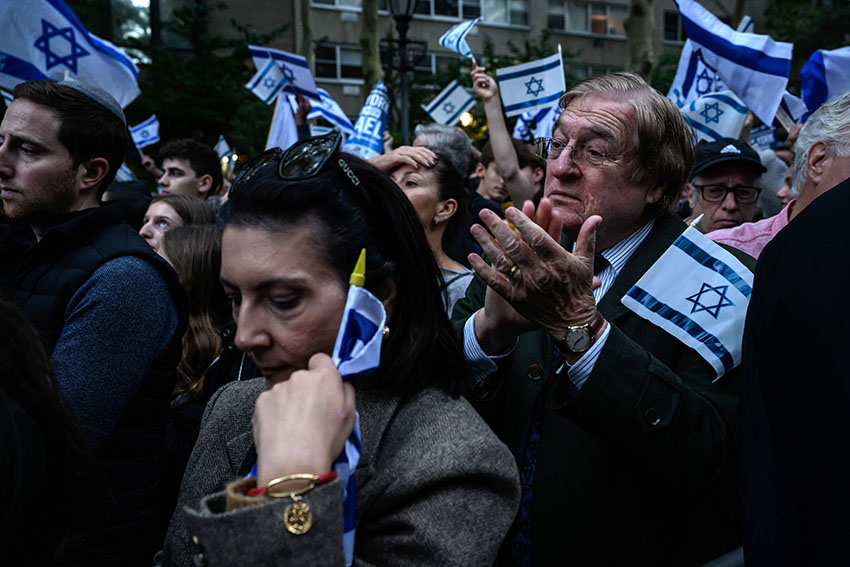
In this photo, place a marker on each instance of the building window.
(673, 28)
(498, 11)
(587, 17)
(338, 62)
(337, 3)
(430, 65)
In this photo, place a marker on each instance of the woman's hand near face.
(300, 425)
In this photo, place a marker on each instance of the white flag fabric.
(699, 293)
(693, 77)
(43, 39)
(124, 174)
(753, 66)
(293, 66)
(368, 139)
(328, 109)
(532, 85)
(716, 115)
(267, 82)
(447, 106)
(356, 354)
(222, 148)
(7, 97)
(146, 133)
(543, 120)
(825, 76)
(283, 132)
(455, 38)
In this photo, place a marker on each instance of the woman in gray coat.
(433, 485)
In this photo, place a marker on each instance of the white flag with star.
(267, 82)
(447, 106)
(716, 115)
(532, 85)
(293, 66)
(146, 133)
(43, 39)
(699, 293)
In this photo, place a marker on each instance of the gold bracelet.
(315, 480)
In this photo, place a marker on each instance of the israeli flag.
(693, 77)
(283, 131)
(222, 148)
(825, 76)
(267, 82)
(357, 353)
(447, 106)
(328, 109)
(699, 293)
(293, 66)
(752, 66)
(7, 97)
(532, 85)
(146, 133)
(43, 39)
(543, 121)
(124, 174)
(716, 115)
(455, 38)
(368, 139)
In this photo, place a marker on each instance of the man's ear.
(445, 210)
(91, 172)
(479, 170)
(205, 183)
(539, 174)
(816, 161)
(654, 195)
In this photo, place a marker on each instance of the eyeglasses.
(591, 154)
(303, 160)
(716, 193)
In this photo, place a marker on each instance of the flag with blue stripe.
(455, 38)
(7, 97)
(124, 174)
(542, 121)
(825, 76)
(532, 85)
(693, 77)
(447, 106)
(357, 353)
(222, 148)
(146, 133)
(368, 139)
(267, 82)
(328, 109)
(753, 66)
(293, 66)
(716, 115)
(699, 293)
(43, 39)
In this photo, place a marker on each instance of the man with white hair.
(821, 160)
(795, 455)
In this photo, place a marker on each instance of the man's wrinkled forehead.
(598, 116)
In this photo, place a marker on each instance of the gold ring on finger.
(512, 271)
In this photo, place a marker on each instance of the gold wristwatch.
(579, 338)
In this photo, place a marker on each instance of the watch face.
(578, 340)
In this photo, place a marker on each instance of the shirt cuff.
(579, 372)
(479, 364)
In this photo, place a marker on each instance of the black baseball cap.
(725, 150)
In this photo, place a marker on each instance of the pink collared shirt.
(752, 237)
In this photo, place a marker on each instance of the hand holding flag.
(455, 38)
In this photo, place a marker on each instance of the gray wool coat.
(434, 486)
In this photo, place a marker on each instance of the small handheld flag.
(368, 139)
(447, 106)
(293, 66)
(699, 293)
(146, 133)
(716, 115)
(455, 38)
(532, 85)
(825, 76)
(222, 148)
(543, 119)
(267, 82)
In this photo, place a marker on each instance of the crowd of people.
(168, 396)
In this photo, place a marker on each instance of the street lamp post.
(402, 11)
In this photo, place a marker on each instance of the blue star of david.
(448, 108)
(52, 58)
(704, 78)
(287, 72)
(713, 310)
(534, 87)
(717, 113)
(145, 134)
(268, 82)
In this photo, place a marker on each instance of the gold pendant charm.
(298, 518)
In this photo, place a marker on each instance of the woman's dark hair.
(421, 349)
(193, 210)
(450, 185)
(195, 254)
(40, 530)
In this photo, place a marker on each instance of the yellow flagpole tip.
(358, 276)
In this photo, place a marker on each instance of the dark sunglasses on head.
(303, 160)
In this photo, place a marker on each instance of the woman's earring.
(386, 332)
